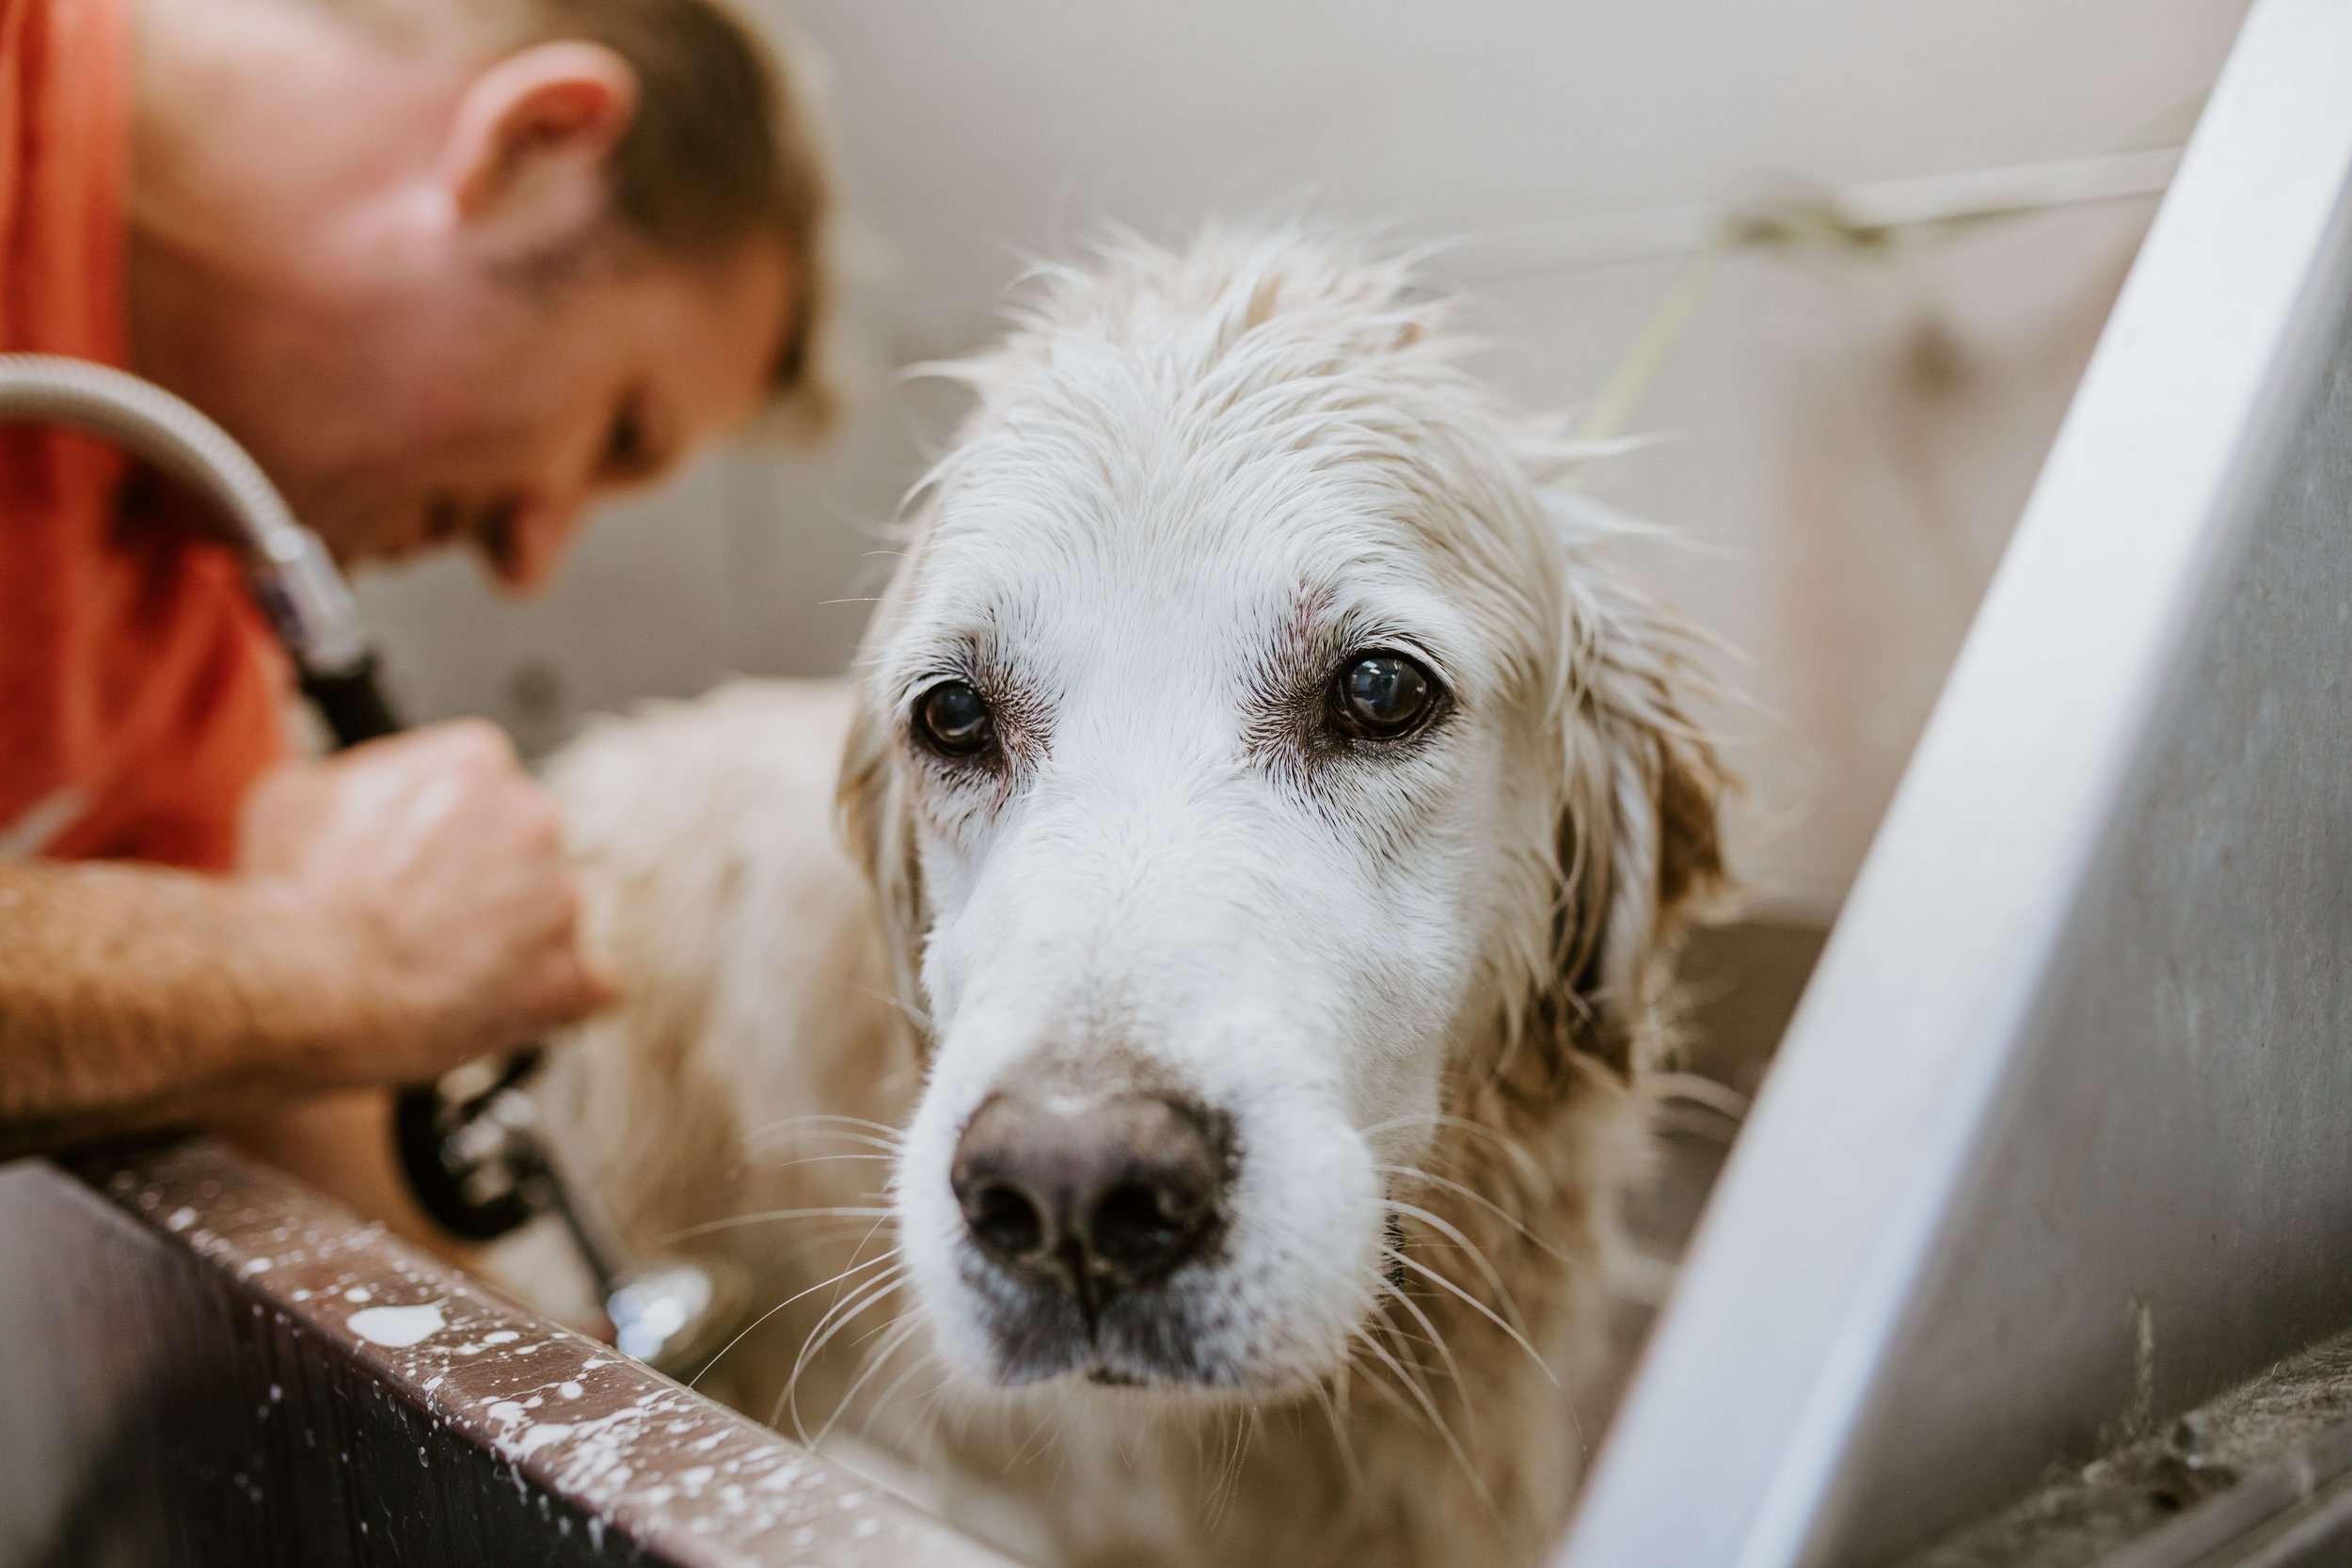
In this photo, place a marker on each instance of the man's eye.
(953, 719)
(1382, 696)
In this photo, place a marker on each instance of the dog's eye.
(952, 719)
(1382, 696)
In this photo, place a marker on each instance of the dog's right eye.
(953, 719)
(1383, 696)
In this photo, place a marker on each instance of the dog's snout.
(1094, 1196)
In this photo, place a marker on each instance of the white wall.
(1852, 434)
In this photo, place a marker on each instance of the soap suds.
(397, 1327)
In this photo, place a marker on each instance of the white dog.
(1189, 1113)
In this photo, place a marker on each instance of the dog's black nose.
(1095, 1197)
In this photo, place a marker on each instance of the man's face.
(481, 408)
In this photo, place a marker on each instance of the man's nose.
(1092, 1197)
(532, 538)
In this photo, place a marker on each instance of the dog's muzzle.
(1089, 1207)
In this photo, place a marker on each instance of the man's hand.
(424, 876)
(398, 911)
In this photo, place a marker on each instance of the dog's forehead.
(1229, 576)
(1198, 447)
(1215, 528)
(1050, 522)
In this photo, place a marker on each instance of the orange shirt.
(139, 689)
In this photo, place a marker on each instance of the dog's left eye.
(953, 719)
(1382, 696)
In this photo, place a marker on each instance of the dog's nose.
(1095, 1197)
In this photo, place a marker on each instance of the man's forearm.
(133, 997)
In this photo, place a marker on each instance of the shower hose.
(473, 1160)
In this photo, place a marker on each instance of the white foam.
(398, 1327)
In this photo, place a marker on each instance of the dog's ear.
(1639, 844)
(877, 824)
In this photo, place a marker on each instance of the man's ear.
(528, 159)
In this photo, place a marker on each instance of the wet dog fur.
(1422, 975)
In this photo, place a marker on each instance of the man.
(452, 270)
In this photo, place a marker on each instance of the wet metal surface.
(2260, 1475)
(2056, 1148)
(201, 1362)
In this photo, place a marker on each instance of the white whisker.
(854, 1268)
(840, 1125)
(1428, 1408)
(837, 1317)
(1437, 1340)
(1479, 1306)
(773, 1217)
(1478, 1258)
(1416, 1173)
(883, 1400)
(824, 1158)
(1510, 1145)
(1340, 1437)
(901, 1334)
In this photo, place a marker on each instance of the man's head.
(454, 270)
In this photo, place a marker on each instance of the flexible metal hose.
(293, 578)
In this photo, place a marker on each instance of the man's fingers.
(443, 862)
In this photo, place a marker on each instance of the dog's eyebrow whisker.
(1479, 1306)
(733, 1221)
(1416, 1174)
(854, 1268)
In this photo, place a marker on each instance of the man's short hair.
(722, 149)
